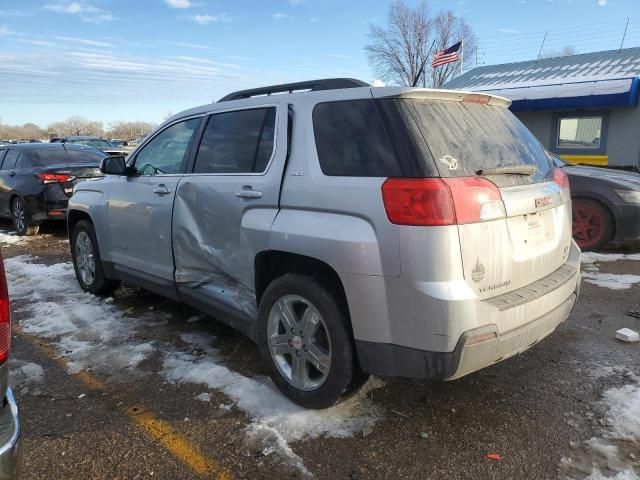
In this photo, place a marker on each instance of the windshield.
(97, 143)
(464, 138)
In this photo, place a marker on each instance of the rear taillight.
(441, 201)
(54, 177)
(5, 316)
(561, 178)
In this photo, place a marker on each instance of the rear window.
(47, 156)
(352, 141)
(85, 156)
(463, 138)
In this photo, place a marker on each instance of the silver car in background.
(347, 230)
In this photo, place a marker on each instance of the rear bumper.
(10, 439)
(503, 326)
(396, 360)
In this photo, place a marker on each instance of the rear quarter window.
(352, 141)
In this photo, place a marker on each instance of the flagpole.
(461, 55)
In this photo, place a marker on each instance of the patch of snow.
(593, 257)
(611, 456)
(90, 332)
(23, 374)
(11, 238)
(203, 397)
(94, 334)
(275, 420)
(613, 281)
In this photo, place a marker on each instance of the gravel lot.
(137, 386)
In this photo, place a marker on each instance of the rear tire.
(87, 262)
(305, 339)
(22, 219)
(592, 224)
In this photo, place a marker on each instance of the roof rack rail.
(310, 85)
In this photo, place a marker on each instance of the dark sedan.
(36, 181)
(100, 143)
(606, 204)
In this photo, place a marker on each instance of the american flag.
(449, 55)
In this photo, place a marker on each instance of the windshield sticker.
(450, 162)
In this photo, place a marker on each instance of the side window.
(352, 140)
(2, 152)
(10, 160)
(237, 142)
(23, 161)
(166, 152)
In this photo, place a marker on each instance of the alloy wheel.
(299, 342)
(84, 258)
(18, 215)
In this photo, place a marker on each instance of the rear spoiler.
(435, 94)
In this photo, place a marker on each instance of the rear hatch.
(521, 231)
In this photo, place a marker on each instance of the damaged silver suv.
(347, 230)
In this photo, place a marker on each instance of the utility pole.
(542, 46)
(477, 48)
(624, 34)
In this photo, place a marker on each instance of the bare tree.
(129, 130)
(398, 53)
(76, 125)
(28, 131)
(565, 51)
(448, 30)
(402, 53)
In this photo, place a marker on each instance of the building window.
(584, 132)
(578, 133)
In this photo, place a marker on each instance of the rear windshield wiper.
(509, 170)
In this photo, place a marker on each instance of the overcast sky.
(139, 60)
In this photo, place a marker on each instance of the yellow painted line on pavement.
(181, 449)
(142, 417)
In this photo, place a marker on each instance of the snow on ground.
(96, 334)
(614, 281)
(24, 374)
(11, 238)
(615, 454)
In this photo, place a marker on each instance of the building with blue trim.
(582, 107)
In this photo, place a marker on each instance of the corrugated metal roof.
(587, 67)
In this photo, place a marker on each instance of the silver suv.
(347, 230)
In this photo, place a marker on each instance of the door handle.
(248, 194)
(12, 174)
(161, 190)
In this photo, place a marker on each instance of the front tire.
(87, 262)
(22, 219)
(306, 341)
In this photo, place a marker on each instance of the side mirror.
(114, 166)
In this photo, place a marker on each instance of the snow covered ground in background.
(614, 281)
(96, 334)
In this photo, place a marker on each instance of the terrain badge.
(477, 273)
(450, 162)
